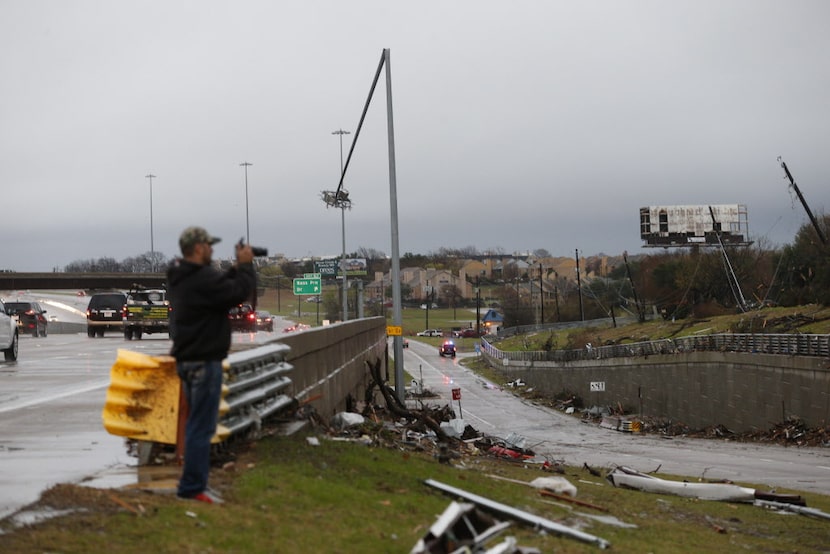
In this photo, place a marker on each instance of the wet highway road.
(494, 411)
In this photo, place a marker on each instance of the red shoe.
(208, 497)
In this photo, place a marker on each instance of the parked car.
(429, 333)
(467, 333)
(8, 334)
(105, 313)
(447, 348)
(243, 318)
(264, 321)
(30, 318)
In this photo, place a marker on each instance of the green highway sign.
(307, 286)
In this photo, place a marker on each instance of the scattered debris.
(522, 516)
(344, 420)
(556, 485)
(461, 528)
(621, 424)
(793, 431)
(629, 478)
(573, 500)
(606, 519)
(592, 471)
(454, 427)
(783, 506)
(137, 511)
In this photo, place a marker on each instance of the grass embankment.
(810, 319)
(285, 495)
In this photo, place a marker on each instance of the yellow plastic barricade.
(143, 398)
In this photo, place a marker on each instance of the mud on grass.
(284, 495)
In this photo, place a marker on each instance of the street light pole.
(247, 224)
(150, 176)
(343, 207)
(579, 289)
(541, 296)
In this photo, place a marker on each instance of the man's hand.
(244, 254)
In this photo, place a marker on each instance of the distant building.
(492, 320)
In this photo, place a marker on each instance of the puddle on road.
(153, 478)
(31, 517)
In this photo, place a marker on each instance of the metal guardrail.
(143, 399)
(256, 382)
(779, 344)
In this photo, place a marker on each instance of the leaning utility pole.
(804, 203)
(739, 295)
(641, 312)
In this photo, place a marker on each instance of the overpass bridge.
(80, 281)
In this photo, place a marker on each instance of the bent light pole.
(393, 211)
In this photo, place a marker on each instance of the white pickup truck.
(8, 334)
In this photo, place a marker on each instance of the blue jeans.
(202, 387)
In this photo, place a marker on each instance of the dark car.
(30, 318)
(105, 313)
(447, 348)
(243, 318)
(467, 333)
(264, 321)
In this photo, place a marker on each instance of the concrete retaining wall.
(329, 362)
(740, 391)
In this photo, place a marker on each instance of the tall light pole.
(340, 199)
(150, 176)
(541, 296)
(247, 223)
(341, 132)
(579, 288)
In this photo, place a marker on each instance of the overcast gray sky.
(518, 125)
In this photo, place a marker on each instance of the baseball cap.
(194, 235)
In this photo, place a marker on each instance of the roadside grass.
(285, 495)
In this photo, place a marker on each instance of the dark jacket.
(200, 297)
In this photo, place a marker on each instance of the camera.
(257, 250)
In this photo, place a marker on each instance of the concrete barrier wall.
(65, 328)
(330, 362)
(741, 391)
